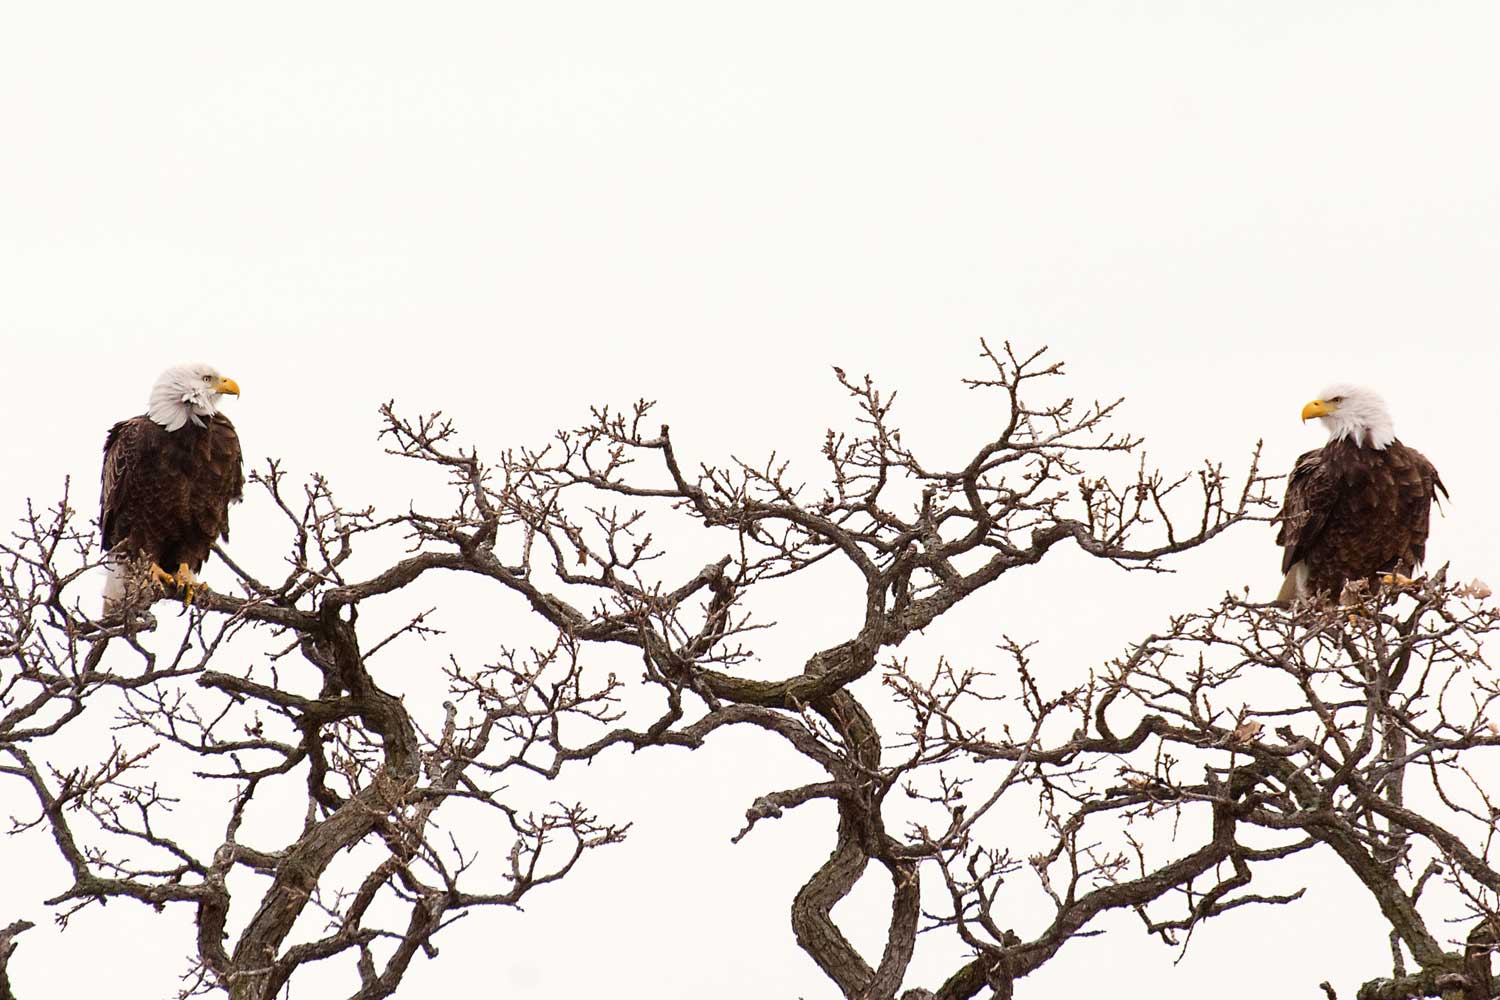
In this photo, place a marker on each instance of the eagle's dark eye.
(208, 378)
(1337, 399)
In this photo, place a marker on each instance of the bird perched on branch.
(1357, 508)
(169, 477)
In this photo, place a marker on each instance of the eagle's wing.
(1417, 486)
(121, 457)
(1309, 498)
(226, 468)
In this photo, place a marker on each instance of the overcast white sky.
(512, 211)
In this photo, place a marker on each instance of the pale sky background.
(513, 211)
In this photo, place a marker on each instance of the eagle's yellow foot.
(1396, 580)
(187, 581)
(161, 576)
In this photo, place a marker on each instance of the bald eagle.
(1357, 507)
(169, 477)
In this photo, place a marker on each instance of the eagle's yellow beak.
(1317, 408)
(232, 387)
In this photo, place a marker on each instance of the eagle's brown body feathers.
(166, 494)
(1354, 512)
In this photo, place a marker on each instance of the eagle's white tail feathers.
(1295, 583)
(126, 582)
(116, 583)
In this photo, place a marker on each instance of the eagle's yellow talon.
(162, 577)
(187, 581)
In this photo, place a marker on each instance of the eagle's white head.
(1353, 411)
(188, 392)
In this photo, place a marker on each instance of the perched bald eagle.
(169, 477)
(1356, 508)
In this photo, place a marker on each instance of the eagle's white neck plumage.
(181, 394)
(1361, 416)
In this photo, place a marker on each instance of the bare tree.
(1372, 749)
(1365, 697)
(371, 778)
